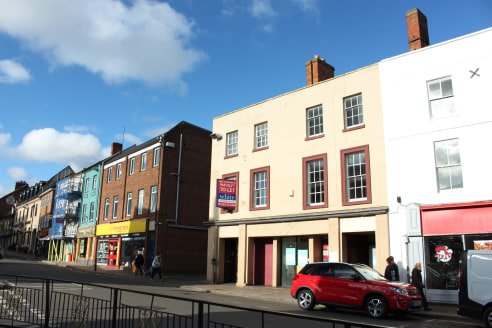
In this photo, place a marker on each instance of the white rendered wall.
(410, 133)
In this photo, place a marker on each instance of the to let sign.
(226, 193)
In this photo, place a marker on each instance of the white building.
(437, 119)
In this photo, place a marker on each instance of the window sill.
(231, 156)
(267, 207)
(357, 127)
(314, 137)
(357, 202)
(260, 149)
(312, 207)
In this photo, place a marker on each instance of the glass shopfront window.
(130, 247)
(295, 254)
(442, 261)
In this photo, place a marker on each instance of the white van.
(475, 285)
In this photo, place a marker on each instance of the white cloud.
(12, 72)
(75, 128)
(18, 173)
(49, 145)
(145, 40)
(262, 9)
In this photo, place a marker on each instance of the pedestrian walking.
(417, 282)
(156, 267)
(391, 273)
(139, 262)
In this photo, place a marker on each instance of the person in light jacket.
(156, 267)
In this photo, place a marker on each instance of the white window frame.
(153, 199)
(315, 182)
(140, 201)
(314, 121)
(110, 173)
(448, 165)
(115, 207)
(441, 97)
(353, 111)
(106, 209)
(118, 171)
(87, 182)
(143, 162)
(132, 166)
(261, 135)
(157, 157)
(231, 144)
(129, 197)
(260, 189)
(356, 182)
(94, 182)
(84, 213)
(91, 212)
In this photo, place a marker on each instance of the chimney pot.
(418, 34)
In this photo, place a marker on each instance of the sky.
(77, 75)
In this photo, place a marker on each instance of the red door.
(263, 260)
(113, 253)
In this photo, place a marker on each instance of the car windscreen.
(367, 272)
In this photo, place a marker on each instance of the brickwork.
(318, 70)
(418, 34)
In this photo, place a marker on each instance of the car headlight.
(399, 290)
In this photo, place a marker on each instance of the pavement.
(198, 283)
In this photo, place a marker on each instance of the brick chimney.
(418, 35)
(318, 70)
(20, 184)
(116, 147)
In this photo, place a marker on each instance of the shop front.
(447, 231)
(85, 244)
(118, 243)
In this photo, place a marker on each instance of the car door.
(348, 291)
(322, 282)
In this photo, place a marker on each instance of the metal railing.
(58, 303)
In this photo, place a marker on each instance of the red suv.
(352, 285)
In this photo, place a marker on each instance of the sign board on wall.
(226, 193)
(61, 198)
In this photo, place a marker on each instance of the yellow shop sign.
(121, 228)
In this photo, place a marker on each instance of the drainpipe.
(179, 178)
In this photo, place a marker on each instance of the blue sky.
(75, 74)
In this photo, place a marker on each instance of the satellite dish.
(10, 200)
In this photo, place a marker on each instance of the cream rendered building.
(311, 180)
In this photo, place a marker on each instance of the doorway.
(230, 260)
(359, 247)
(263, 259)
(113, 253)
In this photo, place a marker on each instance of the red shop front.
(448, 230)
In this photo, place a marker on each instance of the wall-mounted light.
(217, 136)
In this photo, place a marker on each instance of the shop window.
(442, 261)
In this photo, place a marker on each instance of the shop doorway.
(113, 253)
(263, 258)
(230, 260)
(359, 247)
(295, 255)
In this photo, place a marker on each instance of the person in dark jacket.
(139, 262)
(417, 282)
(391, 273)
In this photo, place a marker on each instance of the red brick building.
(154, 199)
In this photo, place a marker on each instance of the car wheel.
(376, 307)
(305, 299)
(487, 317)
